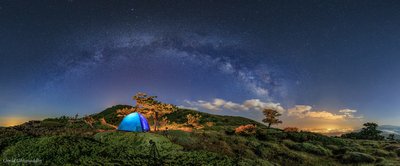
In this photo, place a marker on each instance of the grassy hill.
(62, 141)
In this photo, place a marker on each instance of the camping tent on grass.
(134, 122)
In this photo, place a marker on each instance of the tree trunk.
(155, 121)
(269, 125)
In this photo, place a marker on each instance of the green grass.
(62, 141)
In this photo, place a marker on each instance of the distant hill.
(213, 140)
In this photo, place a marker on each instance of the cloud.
(189, 108)
(350, 113)
(221, 104)
(257, 104)
(235, 106)
(299, 110)
(305, 111)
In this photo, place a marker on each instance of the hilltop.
(208, 140)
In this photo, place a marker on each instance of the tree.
(193, 120)
(148, 105)
(271, 117)
(370, 131)
(125, 111)
(390, 137)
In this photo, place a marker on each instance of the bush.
(246, 130)
(316, 149)
(264, 135)
(397, 152)
(341, 150)
(9, 136)
(381, 153)
(54, 150)
(193, 120)
(357, 157)
(230, 131)
(291, 129)
(392, 147)
(198, 158)
(333, 147)
(308, 147)
(370, 144)
(281, 154)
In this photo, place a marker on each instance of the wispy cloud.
(248, 105)
(305, 111)
(185, 107)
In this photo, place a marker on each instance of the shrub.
(397, 152)
(193, 120)
(164, 121)
(357, 157)
(9, 136)
(210, 124)
(307, 147)
(198, 158)
(280, 154)
(229, 131)
(291, 129)
(289, 143)
(333, 147)
(246, 130)
(392, 147)
(381, 153)
(54, 150)
(370, 144)
(341, 151)
(380, 159)
(264, 135)
(315, 149)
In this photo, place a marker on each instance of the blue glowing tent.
(134, 122)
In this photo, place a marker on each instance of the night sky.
(327, 66)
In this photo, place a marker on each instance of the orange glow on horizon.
(329, 131)
(13, 120)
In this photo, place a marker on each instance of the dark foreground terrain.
(211, 140)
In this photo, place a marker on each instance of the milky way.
(68, 57)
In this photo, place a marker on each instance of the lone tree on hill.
(271, 117)
(370, 131)
(148, 105)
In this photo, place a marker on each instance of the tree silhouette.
(370, 131)
(390, 137)
(271, 117)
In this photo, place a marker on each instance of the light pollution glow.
(14, 120)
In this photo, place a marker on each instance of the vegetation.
(222, 140)
(370, 132)
(148, 105)
(246, 130)
(271, 117)
(291, 129)
(193, 120)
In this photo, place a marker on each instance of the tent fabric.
(134, 122)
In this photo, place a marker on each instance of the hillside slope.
(213, 141)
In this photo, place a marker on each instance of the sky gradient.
(326, 65)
